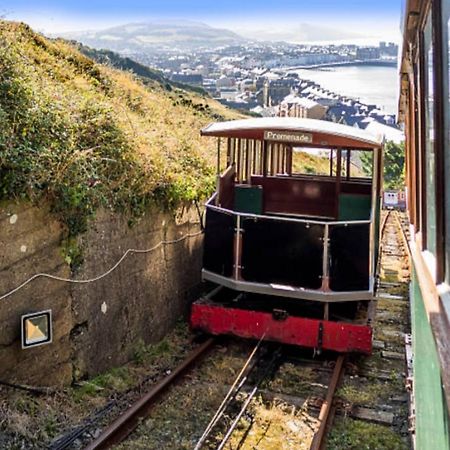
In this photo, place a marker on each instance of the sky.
(366, 19)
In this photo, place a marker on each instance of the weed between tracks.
(352, 434)
(274, 426)
(182, 415)
(362, 391)
(296, 380)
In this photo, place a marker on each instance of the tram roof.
(320, 132)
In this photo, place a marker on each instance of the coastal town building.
(294, 106)
(263, 78)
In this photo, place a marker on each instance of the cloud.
(303, 32)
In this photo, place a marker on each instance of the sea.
(377, 85)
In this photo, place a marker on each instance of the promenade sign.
(292, 137)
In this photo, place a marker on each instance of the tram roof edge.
(252, 128)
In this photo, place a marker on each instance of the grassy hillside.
(84, 135)
(307, 163)
(312, 164)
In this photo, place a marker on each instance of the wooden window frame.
(439, 142)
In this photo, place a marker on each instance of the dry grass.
(275, 426)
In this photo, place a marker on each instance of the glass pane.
(36, 329)
(361, 164)
(349, 257)
(429, 147)
(311, 161)
(218, 245)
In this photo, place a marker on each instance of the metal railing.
(278, 218)
(326, 236)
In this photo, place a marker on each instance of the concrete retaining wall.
(97, 325)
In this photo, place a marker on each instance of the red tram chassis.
(304, 332)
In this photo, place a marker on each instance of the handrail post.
(238, 249)
(325, 263)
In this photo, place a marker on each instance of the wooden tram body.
(424, 110)
(293, 256)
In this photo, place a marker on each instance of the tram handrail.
(281, 218)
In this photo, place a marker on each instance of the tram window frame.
(277, 159)
(445, 29)
(429, 142)
(366, 176)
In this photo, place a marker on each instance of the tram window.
(361, 164)
(311, 161)
(430, 178)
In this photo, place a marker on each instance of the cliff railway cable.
(326, 413)
(118, 430)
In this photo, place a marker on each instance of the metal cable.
(249, 399)
(237, 385)
(99, 277)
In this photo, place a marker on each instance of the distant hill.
(139, 37)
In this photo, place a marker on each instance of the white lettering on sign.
(280, 136)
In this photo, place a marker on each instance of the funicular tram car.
(292, 256)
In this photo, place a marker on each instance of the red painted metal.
(336, 336)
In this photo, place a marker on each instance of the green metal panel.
(248, 199)
(432, 424)
(354, 207)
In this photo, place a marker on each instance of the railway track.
(235, 421)
(325, 416)
(120, 428)
(128, 421)
(259, 368)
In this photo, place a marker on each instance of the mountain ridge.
(141, 36)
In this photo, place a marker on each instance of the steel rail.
(325, 415)
(249, 398)
(120, 429)
(383, 225)
(380, 246)
(241, 378)
(402, 234)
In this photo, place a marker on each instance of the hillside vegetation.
(83, 135)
